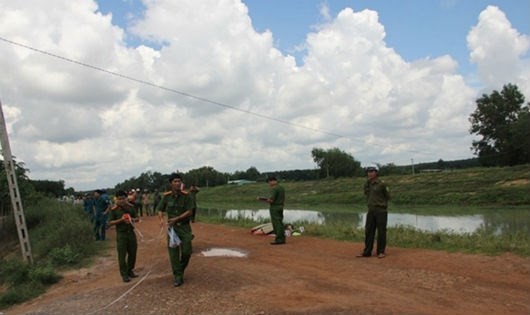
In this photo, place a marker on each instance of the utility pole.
(412, 163)
(14, 193)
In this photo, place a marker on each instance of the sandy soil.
(305, 276)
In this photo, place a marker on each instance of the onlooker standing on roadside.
(88, 205)
(276, 202)
(377, 195)
(193, 191)
(101, 210)
(146, 203)
(178, 206)
(123, 215)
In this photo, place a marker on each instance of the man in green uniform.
(178, 206)
(378, 195)
(276, 201)
(122, 215)
(193, 191)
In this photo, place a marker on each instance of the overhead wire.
(188, 95)
(199, 98)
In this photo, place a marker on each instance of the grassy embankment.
(61, 238)
(471, 191)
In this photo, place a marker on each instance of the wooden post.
(14, 192)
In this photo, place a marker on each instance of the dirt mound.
(305, 276)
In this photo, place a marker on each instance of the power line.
(172, 90)
(202, 99)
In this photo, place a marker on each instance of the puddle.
(224, 252)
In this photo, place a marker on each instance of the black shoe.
(361, 255)
(126, 279)
(277, 243)
(178, 283)
(132, 275)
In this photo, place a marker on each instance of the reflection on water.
(289, 216)
(430, 223)
(498, 221)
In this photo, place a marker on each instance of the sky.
(96, 92)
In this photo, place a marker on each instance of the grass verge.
(61, 238)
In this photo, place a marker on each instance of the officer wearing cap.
(377, 195)
(178, 205)
(276, 201)
(123, 215)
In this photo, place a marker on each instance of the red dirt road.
(305, 276)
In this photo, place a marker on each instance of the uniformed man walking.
(123, 215)
(178, 206)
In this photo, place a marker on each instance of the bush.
(64, 256)
(44, 274)
(20, 293)
(14, 272)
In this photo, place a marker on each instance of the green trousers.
(277, 223)
(127, 247)
(179, 257)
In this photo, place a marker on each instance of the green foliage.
(44, 274)
(335, 163)
(21, 293)
(64, 256)
(24, 281)
(506, 186)
(49, 188)
(205, 176)
(61, 231)
(501, 118)
(13, 272)
(61, 236)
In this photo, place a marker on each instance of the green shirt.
(175, 204)
(117, 212)
(377, 194)
(277, 195)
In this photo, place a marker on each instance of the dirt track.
(305, 276)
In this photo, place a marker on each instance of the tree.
(335, 163)
(50, 188)
(205, 176)
(502, 121)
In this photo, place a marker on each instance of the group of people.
(377, 195)
(177, 208)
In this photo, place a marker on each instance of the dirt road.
(305, 276)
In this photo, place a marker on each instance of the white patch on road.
(224, 252)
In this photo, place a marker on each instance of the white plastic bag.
(174, 239)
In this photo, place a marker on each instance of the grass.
(483, 241)
(501, 186)
(61, 238)
(487, 191)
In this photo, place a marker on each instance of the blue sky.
(384, 81)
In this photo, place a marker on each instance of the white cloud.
(94, 129)
(500, 51)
